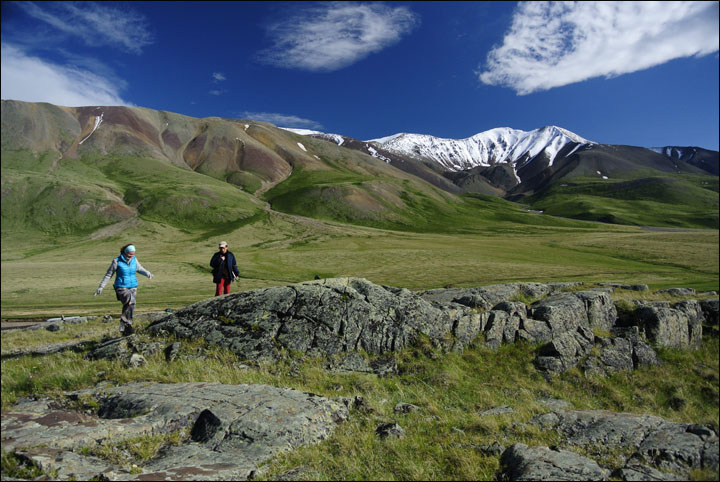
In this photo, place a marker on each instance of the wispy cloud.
(282, 120)
(551, 44)
(32, 79)
(218, 77)
(217, 92)
(334, 35)
(94, 23)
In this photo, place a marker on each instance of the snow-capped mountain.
(502, 145)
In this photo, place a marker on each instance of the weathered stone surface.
(710, 311)
(677, 292)
(486, 297)
(320, 317)
(122, 348)
(75, 345)
(616, 354)
(600, 309)
(520, 462)
(639, 472)
(674, 328)
(563, 313)
(233, 428)
(565, 350)
(677, 447)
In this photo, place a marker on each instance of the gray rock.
(564, 313)
(520, 462)
(321, 317)
(677, 292)
(234, 428)
(616, 354)
(172, 351)
(564, 350)
(639, 472)
(600, 309)
(403, 407)
(386, 430)
(710, 311)
(661, 444)
(674, 328)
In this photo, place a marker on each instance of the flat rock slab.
(520, 462)
(233, 428)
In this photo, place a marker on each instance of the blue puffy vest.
(125, 274)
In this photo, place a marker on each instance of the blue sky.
(640, 73)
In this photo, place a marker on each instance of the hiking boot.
(127, 329)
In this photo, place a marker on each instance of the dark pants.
(223, 287)
(127, 297)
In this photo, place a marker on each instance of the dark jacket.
(218, 266)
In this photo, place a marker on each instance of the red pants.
(223, 287)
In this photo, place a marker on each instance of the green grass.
(673, 200)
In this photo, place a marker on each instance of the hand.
(98, 291)
(150, 276)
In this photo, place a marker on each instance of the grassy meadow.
(57, 275)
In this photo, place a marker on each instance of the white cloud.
(281, 119)
(334, 35)
(32, 79)
(217, 92)
(94, 23)
(218, 77)
(551, 44)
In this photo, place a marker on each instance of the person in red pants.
(225, 269)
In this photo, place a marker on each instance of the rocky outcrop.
(652, 442)
(486, 297)
(322, 317)
(232, 429)
(333, 316)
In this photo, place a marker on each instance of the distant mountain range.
(507, 162)
(77, 169)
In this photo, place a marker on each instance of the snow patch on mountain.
(673, 152)
(497, 146)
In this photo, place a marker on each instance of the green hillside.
(657, 199)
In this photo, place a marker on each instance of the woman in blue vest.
(125, 265)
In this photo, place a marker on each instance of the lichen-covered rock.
(563, 313)
(520, 462)
(322, 317)
(671, 327)
(233, 428)
(600, 309)
(678, 447)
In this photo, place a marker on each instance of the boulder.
(322, 317)
(600, 309)
(520, 462)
